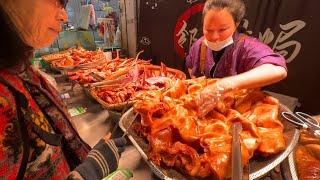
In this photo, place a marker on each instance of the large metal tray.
(258, 166)
(292, 167)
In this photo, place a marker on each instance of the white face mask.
(217, 46)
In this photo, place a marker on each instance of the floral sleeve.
(10, 138)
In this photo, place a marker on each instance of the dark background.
(158, 20)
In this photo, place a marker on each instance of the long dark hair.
(12, 48)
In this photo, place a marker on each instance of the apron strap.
(203, 52)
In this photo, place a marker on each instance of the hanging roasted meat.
(201, 147)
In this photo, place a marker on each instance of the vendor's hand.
(211, 95)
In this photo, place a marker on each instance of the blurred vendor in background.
(37, 140)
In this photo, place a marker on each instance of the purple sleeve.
(256, 53)
(191, 57)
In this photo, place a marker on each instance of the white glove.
(211, 95)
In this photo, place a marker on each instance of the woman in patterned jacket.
(37, 140)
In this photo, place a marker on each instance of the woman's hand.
(212, 94)
(260, 76)
(103, 159)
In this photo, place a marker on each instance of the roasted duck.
(201, 147)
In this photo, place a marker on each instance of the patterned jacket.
(54, 146)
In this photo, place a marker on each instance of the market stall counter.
(94, 122)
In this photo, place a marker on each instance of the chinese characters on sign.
(186, 36)
(187, 28)
(282, 42)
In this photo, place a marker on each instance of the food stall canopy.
(167, 29)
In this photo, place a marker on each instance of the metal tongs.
(130, 124)
(303, 120)
(236, 161)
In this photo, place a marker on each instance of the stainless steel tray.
(292, 166)
(258, 167)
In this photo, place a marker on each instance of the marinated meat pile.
(201, 147)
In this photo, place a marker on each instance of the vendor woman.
(241, 61)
